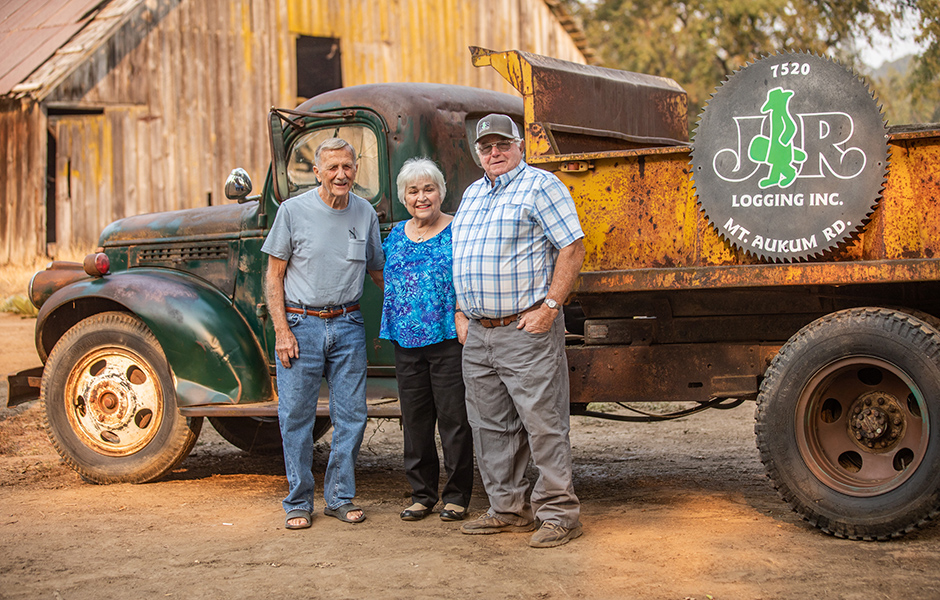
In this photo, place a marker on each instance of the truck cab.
(167, 324)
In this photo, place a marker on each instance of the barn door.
(96, 173)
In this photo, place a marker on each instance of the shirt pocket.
(356, 250)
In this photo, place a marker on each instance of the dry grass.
(14, 280)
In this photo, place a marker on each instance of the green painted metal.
(196, 277)
(214, 355)
(409, 120)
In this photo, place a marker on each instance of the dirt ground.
(672, 510)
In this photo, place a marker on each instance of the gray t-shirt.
(328, 250)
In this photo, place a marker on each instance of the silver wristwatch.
(551, 304)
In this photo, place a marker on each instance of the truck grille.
(164, 254)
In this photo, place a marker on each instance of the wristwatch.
(551, 304)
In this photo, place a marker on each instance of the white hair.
(416, 169)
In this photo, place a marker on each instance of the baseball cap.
(496, 124)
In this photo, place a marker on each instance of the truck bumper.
(21, 387)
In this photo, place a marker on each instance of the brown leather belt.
(491, 323)
(502, 322)
(323, 314)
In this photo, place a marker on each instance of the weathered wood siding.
(427, 40)
(170, 95)
(181, 109)
(22, 179)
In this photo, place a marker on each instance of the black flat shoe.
(453, 512)
(415, 512)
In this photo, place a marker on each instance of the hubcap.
(115, 401)
(862, 427)
(877, 421)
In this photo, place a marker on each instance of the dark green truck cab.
(167, 324)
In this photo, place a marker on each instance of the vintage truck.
(819, 303)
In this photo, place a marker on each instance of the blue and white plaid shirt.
(506, 240)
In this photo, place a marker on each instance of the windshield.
(300, 177)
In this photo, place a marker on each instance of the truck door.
(372, 183)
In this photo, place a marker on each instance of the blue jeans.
(336, 349)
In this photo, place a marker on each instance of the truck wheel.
(848, 423)
(110, 404)
(259, 435)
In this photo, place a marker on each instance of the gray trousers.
(518, 407)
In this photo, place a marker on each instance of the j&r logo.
(790, 146)
(789, 157)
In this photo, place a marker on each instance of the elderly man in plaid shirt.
(518, 250)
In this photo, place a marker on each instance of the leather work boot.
(487, 523)
(552, 534)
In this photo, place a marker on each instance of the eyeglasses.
(487, 149)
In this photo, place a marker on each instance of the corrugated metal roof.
(31, 31)
(41, 41)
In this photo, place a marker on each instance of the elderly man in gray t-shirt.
(320, 246)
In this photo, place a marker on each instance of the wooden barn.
(110, 108)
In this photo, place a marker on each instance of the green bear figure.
(777, 150)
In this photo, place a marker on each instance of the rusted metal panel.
(562, 100)
(381, 403)
(674, 373)
(644, 229)
(635, 210)
(57, 275)
(755, 276)
(907, 223)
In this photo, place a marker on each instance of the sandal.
(298, 513)
(342, 512)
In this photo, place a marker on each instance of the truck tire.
(848, 423)
(259, 435)
(110, 404)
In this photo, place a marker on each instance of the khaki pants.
(518, 407)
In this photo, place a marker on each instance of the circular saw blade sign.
(790, 157)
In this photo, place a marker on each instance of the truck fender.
(213, 354)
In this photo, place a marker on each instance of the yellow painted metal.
(644, 229)
(641, 220)
(519, 75)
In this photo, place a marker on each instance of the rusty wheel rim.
(114, 401)
(862, 426)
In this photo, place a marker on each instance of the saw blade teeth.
(777, 93)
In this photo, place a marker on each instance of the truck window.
(300, 175)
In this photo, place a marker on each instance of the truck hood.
(188, 223)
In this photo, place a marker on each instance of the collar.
(505, 178)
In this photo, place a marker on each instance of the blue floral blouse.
(418, 309)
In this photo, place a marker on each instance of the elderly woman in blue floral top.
(418, 317)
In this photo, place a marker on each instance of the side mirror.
(238, 185)
(278, 156)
